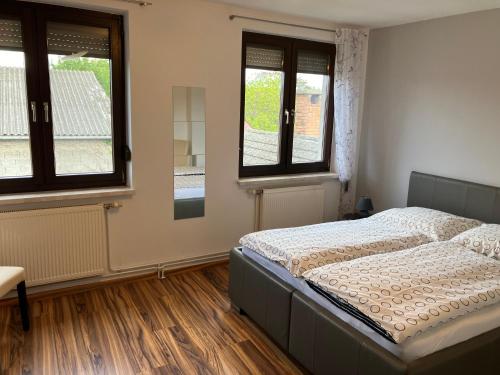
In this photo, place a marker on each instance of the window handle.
(287, 117)
(33, 111)
(45, 112)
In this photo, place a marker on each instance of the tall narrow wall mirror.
(189, 152)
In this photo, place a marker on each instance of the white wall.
(185, 43)
(432, 104)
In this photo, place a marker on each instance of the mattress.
(275, 268)
(433, 340)
(304, 248)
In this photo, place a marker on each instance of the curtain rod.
(141, 3)
(233, 16)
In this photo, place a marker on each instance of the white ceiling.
(369, 13)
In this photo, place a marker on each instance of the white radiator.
(292, 207)
(54, 244)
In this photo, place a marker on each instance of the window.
(286, 105)
(62, 122)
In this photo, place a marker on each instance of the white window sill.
(65, 195)
(286, 180)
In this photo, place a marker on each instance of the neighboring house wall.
(81, 156)
(432, 104)
(74, 155)
(15, 158)
(307, 115)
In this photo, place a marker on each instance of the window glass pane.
(311, 97)
(15, 149)
(80, 86)
(263, 109)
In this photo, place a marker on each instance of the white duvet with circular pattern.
(410, 291)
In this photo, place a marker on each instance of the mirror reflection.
(189, 152)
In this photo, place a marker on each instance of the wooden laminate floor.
(180, 325)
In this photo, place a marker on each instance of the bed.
(301, 249)
(326, 339)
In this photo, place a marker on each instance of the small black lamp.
(364, 206)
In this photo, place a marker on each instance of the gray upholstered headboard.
(457, 197)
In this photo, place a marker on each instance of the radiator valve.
(109, 206)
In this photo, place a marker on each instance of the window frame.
(290, 47)
(34, 18)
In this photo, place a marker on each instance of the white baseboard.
(169, 266)
(116, 275)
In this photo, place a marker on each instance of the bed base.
(257, 293)
(324, 344)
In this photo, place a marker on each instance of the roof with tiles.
(261, 147)
(80, 107)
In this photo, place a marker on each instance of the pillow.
(484, 240)
(437, 225)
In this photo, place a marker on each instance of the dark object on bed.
(325, 344)
(353, 311)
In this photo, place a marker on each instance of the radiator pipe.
(153, 267)
(107, 207)
(258, 207)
